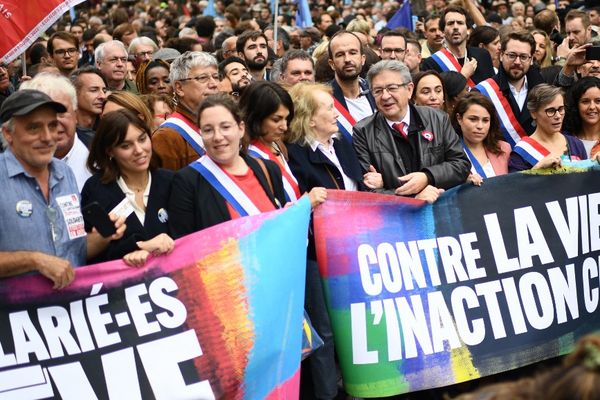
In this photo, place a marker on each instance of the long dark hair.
(474, 98)
(111, 132)
(572, 122)
(261, 99)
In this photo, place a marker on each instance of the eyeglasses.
(388, 51)
(114, 60)
(62, 52)
(522, 57)
(144, 53)
(225, 130)
(551, 112)
(202, 78)
(391, 89)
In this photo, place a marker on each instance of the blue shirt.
(29, 223)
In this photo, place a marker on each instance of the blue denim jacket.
(29, 223)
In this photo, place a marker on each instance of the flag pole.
(275, 26)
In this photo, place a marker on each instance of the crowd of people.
(173, 118)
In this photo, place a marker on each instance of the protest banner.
(22, 23)
(220, 317)
(485, 280)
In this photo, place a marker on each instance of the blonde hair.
(305, 107)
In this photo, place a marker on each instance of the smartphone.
(592, 53)
(96, 216)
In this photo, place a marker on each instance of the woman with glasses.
(127, 182)
(475, 120)
(225, 183)
(583, 113)
(268, 110)
(547, 145)
(193, 76)
(153, 78)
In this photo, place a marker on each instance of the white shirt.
(521, 96)
(130, 195)
(488, 169)
(406, 120)
(359, 108)
(76, 159)
(329, 152)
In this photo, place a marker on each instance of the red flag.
(23, 22)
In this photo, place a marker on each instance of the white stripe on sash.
(192, 137)
(509, 130)
(290, 194)
(529, 152)
(225, 186)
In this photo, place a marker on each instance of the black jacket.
(485, 67)
(523, 116)
(314, 169)
(195, 204)
(442, 158)
(110, 195)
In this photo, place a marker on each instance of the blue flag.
(402, 18)
(303, 18)
(210, 9)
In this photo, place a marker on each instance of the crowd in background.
(174, 117)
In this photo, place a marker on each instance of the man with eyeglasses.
(473, 63)
(194, 76)
(392, 46)
(508, 89)
(414, 148)
(42, 226)
(352, 98)
(142, 49)
(63, 47)
(111, 60)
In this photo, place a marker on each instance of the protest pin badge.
(24, 208)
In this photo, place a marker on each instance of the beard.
(256, 65)
(348, 76)
(516, 74)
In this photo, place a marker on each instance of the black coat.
(110, 195)
(195, 204)
(485, 67)
(313, 169)
(534, 78)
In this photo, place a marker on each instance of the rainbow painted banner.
(220, 317)
(486, 280)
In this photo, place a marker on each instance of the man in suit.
(508, 89)
(474, 63)
(414, 148)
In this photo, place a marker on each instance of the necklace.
(141, 188)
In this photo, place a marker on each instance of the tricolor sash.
(531, 150)
(180, 124)
(290, 184)
(448, 62)
(476, 167)
(225, 186)
(345, 121)
(509, 125)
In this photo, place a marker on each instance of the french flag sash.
(476, 167)
(225, 186)
(531, 150)
(345, 121)
(187, 130)
(448, 62)
(509, 125)
(290, 184)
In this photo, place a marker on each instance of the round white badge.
(162, 215)
(24, 208)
